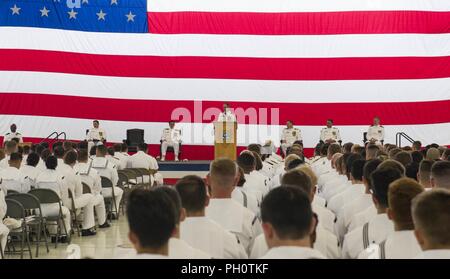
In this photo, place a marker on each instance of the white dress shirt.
(292, 252)
(13, 179)
(330, 134)
(226, 116)
(248, 200)
(398, 245)
(96, 134)
(10, 135)
(434, 254)
(180, 249)
(376, 133)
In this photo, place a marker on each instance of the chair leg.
(27, 235)
(44, 225)
(1, 251)
(38, 242)
(22, 242)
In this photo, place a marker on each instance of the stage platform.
(172, 171)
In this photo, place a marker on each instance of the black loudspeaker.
(135, 137)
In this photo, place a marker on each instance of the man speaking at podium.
(227, 115)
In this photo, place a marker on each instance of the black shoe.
(112, 216)
(87, 232)
(63, 239)
(53, 239)
(104, 225)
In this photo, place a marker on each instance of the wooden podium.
(225, 140)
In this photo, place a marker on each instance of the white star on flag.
(85, 2)
(72, 14)
(15, 10)
(44, 12)
(114, 2)
(130, 17)
(101, 15)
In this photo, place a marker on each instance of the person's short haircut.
(350, 160)
(330, 120)
(372, 150)
(255, 148)
(32, 159)
(333, 149)
(192, 191)
(58, 152)
(117, 147)
(416, 156)
(369, 167)
(425, 169)
(51, 162)
(45, 144)
(45, 154)
(289, 158)
(246, 160)
(357, 169)
(16, 156)
(102, 150)
(39, 149)
(143, 147)
(96, 121)
(67, 145)
(357, 149)
(348, 147)
(82, 145)
(400, 196)
(223, 172)
(82, 156)
(392, 164)
(393, 152)
(431, 215)
(70, 157)
(110, 151)
(417, 145)
(446, 153)
(124, 147)
(288, 210)
(10, 146)
(412, 170)
(151, 217)
(381, 178)
(297, 178)
(440, 172)
(26, 149)
(433, 154)
(403, 157)
(20, 149)
(306, 169)
(174, 196)
(242, 180)
(258, 161)
(295, 163)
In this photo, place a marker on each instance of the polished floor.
(108, 243)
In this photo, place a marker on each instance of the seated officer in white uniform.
(330, 134)
(198, 230)
(82, 202)
(431, 216)
(11, 178)
(178, 248)
(51, 179)
(378, 228)
(108, 170)
(226, 115)
(288, 224)
(29, 169)
(142, 159)
(4, 231)
(241, 195)
(440, 175)
(375, 133)
(170, 137)
(95, 134)
(13, 134)
(289, 135)
(222, 178)
(91, 178)
(123, 157)
(10, 147)
(402, 243)
(255, 182)
(151, 219)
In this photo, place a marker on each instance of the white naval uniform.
(326, 217)
(227, 116)
(13, 179)
(4, 162)
(376, 230)
(362, 217)
(398, 245)
(171, 137)
(330, 134)
(93, 135)
(235, 218)
(10, 135)
(376, 133)
(113, 160)
(207, 235)
(30, 172)
(52, 179)
(4, 231)
(142, 160)
(352, 192)
(248, 200)
(289, 136)
(90, 177)
(180, 249)
(106, 169)
(434, 254)
(123, 160)
(81, 201)
(255, 182)
(292, 252)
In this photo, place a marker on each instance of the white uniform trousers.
(158, 178)
(86, 202)
(285, 146)
(51, 210)
(99, 206)
(4, 231)
(175, 145)
(107, 193)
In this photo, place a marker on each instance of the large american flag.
(130, 63)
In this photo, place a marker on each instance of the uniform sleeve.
(299, 135)
(283, 135)
(104, 135)
(338, 135)
(382, 133)
(114, 176)
(322, 135)
(163, 134)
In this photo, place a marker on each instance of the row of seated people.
(64, 170)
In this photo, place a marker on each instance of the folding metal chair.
(15, 210)
(110, 201)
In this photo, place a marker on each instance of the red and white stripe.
(310, 60)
